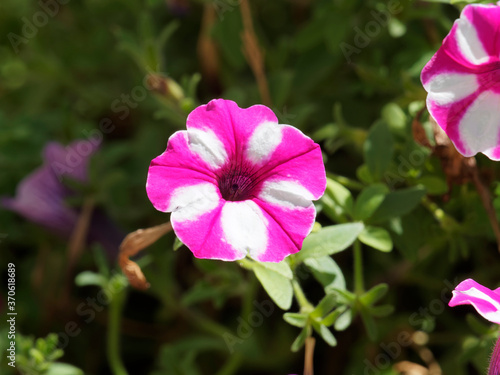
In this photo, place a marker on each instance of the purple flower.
(463, 82)
(238, 183)
(41, 196)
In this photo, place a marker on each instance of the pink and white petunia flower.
(463, 82)
(238, 183)
(486, 301)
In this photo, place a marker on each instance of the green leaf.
(325, 333)
(100, 260)
(369, 200)
(435, 185)
(280, 84)
(376, 237)
(301, 339)
(309, 35)
(324, 306)
(378, 149)
(86, 278)
(369, 322)
(332, 317)
(398, 203)
(343, 296)
(341, 195)
(374, 294)
(329, 240)
(344, 320)
(177, 244)
(58, 368)
(363, 173)
(36, 355)
(477, 326)
(326, 271)
(166, 33)
(381, 311)
(296, 319)
(282, 268)
(393, 115)
(227, 35)
(201, 291)
(277, 286)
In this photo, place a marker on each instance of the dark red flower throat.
(237, 182)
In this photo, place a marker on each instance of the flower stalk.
(305, 305)
(359, 288)
(113, 341)
(309, 355)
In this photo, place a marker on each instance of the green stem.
(115, 312)
(203, 322)
(249, 297)
(232, 364)
(359, 287)
(346, 181)
(301, 298)
(447, 222)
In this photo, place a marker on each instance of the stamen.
(238, 182)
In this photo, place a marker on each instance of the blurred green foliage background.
(345, 72)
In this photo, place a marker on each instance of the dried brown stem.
(79, 234)
(76, 244)
(207, 48)
(253, 53)
(309, 355)
(131, 245)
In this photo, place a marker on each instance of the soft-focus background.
(128, 72)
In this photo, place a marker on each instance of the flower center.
(489, 78)
(236, 183)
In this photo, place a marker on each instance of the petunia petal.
(285, 193)
(177, 167)
(70, 161)
(231, 124)
(287, 229)
(204, 236)
(207, 146)
(188, 203)
(302, 162)
(480, 126)
(468, 42)
(447, 88)
(40, 198)
(263, 141)
(245, 227)
(484, 300)
(485, 19)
